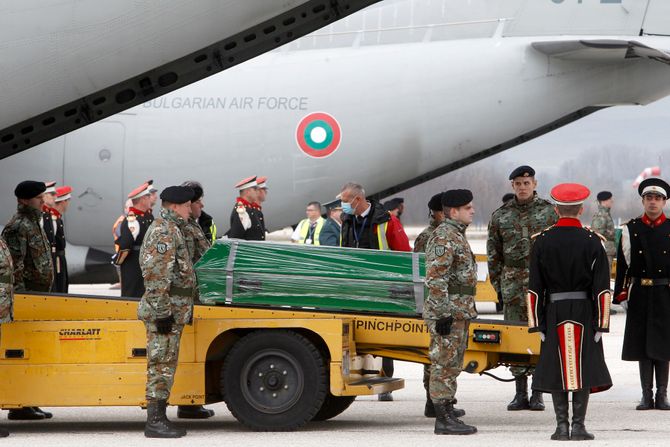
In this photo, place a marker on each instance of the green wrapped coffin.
(308, 277)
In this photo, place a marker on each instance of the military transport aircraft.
(391, 96)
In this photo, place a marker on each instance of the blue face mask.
(347, 209)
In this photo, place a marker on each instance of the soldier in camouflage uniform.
(167, 303)
(6, 294)
(31, 258)
(508, 249)
(451, 278)
(197, 244)
(603, 224)
(436, 218)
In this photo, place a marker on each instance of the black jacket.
(360, 233)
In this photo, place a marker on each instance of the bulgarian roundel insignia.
(440, 250)
(161, 247)
(318, 135)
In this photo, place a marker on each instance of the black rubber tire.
(333, 406)
(274, 380)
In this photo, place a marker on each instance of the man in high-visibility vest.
(308, 230)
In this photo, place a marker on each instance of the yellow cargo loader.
(276, 369)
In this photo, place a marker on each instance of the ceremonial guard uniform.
(61, 281)
(642, 279)
(508, 249)
(166, 306)
(133, 229)
(31, 259)
(451, 278)
(245, 220)
(603, 224)
(261, 181)
(569, 304)
(6, 294)
(50, 218)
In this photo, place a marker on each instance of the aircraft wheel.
(274, 380)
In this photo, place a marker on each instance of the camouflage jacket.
(509, 238)
(196, 241)
(6, 283)
(450, 265)
(603, 224)
(169, 279)
(30, 249)
(422, 239)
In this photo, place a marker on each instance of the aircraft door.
(93, 167)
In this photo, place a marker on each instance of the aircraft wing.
(67, 63)
(601, 50)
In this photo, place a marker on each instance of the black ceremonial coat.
(132, 282)
(644, 252)
(569, 258)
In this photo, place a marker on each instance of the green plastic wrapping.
(311, 277)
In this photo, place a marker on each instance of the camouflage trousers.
(446, 358)
(517, 310)
(162, 356)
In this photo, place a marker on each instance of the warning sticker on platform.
(79, 334)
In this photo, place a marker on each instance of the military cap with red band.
(144, 189)
(51, 187)
(248, 182)
(569, 194)
(63, 193)
(261, 181)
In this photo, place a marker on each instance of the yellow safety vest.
(304, 230)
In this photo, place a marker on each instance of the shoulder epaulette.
(591, 230)
(539, 233)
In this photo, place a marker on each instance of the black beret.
(177, 194)
(654, 185)
(604, 195)
(29, 189)
(435, 202)
(507, 197)
(455, 198)
(522, 171)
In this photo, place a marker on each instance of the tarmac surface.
(611, 417)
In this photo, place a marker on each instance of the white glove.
(624, 304)
(542, 336)
(598, 336)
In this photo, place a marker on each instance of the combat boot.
(562, 432)
(580, 401)
(3, 433)
(536, 402)
(158, 425)
(646, 380)
(194, 412)
(429, 409)
(446, 423)
(661, 385)
(520, 401)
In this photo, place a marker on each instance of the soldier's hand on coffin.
(443, 326)
(598, 336)
(543, 337)
(164, 325)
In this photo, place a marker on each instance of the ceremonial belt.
(136, 247)
(578, 295)
(519, 263)
(181, 291)
(6, 278)
(462, 290)
(649, 282)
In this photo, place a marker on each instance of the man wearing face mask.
(365, 223)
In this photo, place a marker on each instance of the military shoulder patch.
(537, 234)
(161, 247)
(440, 250)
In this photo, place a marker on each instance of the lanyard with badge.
(309, 239)
(358, 234)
